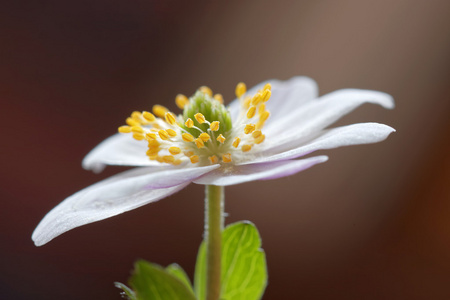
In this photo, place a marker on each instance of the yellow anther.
(268, 86)
(148, 116)
(247, 102)
(177, 162)
(181, 101)
(152, 151)
(138, 136)
(187, 137)
(214, 126)
(221, 139)
(171, 132)
(256, 99)
(194, 159)
(251, 112)
(168, 159)
(219, 98)
(174, 150)
(159, 159)
(206, 90)
(153, 143)
(136, 115)
(159, 110)
(249, 128)
(150, 136)
(260, 139)
(246, 148)
(204, 137)
(132, 122)
(200, 118)
(152, 157)
(163, 134)
(188, 153)
(266, 95)
(189, 123)
(259, 125)
(170, 118)
(261, 108)
(264, 116)
(236, 142)
(226, 158)
(199, 143)
(256, 133)
(213, 159)
(241, 88)
(137, 129)
(124, 129)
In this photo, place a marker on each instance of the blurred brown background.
(372, 223)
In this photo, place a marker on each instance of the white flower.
(211, 145)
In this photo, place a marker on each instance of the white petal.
(119, 149)
(230, 175)
(286, 95)
(318, 114)
(113, 196)
(355, 134)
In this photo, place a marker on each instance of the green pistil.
(212, 109)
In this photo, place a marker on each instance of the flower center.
(204, 133)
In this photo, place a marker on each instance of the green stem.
(213, 238)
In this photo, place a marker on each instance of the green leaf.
(129, 293)
(153, 282)
(177, 271)
(244, 270)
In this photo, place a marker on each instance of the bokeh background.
(372, 223)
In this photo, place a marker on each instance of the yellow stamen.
(236, 142)
(246, 148)
(226, 158)
(159, 159)
(214, 126)
(213, 159)
(268, 86)
(170, 118)
(136, 115)
(261, 108)
(148, 116)
(221, 139)
(256, 133)
(177, 162)
(132, 122)
(241, 88)
(187, 137)
(264, 116)
(188, 153)
(174, 150)
(153, 143)
(171, 132)
(137, 129)
(189, 123)
(204, 137)
(194, 159)
(168, 159)
(219, 98)
(266, 95)
(247, 102)
(260, 139)
(181, 101)
(259, 125)
(249, 128)
(152, 151)
(159, 110)
(163, 134)
(150, 136)
(138, 136)
(152, 157)
(124, 129)
(200, 118)
(206, 90)
(256, 99)
(199, 143)
(251, 112)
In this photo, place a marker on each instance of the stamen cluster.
(204, 133)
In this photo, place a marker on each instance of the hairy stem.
(213, 237)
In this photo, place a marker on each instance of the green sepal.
(177, 271)
(244, 270)
(126, 291)
(153, 282)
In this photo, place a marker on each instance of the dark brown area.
(372, 223)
